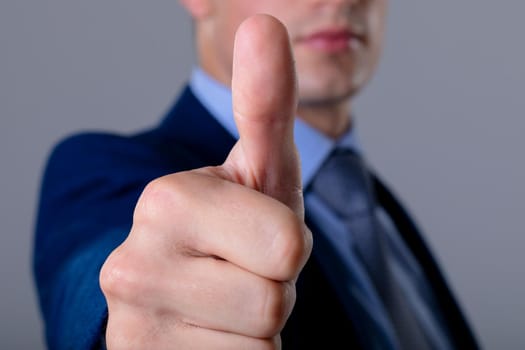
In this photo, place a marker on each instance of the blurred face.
(336, 43)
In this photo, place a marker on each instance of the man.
(200, 240)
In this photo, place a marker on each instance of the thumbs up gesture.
(213, 254)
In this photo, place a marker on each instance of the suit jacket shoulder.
(88, 192)
(461, 332)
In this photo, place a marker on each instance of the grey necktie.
(344, 184)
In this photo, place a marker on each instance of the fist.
(213, 254)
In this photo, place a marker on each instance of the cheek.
(376, 25)
(377, 21)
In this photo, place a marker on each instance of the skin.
(327, 81)
(213, 254)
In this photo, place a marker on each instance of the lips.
(332, 40)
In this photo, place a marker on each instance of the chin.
(327, 94)
(332, 81)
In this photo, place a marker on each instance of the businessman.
(248, 218)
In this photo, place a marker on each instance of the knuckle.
(291, 246)
(119, 277)
(308, 243)
(151, 200)
(159, 195)
(275, 308)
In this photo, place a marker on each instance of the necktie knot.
(343, 182)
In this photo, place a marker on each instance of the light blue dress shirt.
(314, 148)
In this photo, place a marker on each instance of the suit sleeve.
(88, 192)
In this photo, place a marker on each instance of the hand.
(213, 255)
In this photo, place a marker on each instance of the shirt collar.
(313, 147)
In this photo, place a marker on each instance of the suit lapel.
(461, 333)
(189, 125)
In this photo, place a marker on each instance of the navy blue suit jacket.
(90, 186)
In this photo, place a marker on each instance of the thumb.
(264, 91)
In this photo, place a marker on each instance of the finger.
(130, 328)
(204, 291)
(264, 106)
(210, 339)
(201, 291)
(227, 226)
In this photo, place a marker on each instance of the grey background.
(442, 120)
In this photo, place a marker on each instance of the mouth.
(333, 40)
